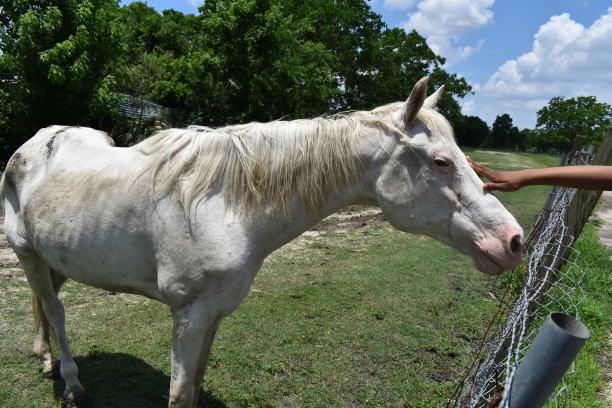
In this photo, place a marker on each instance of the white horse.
(188, 216)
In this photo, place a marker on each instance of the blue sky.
(517, 54)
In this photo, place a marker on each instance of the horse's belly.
(120, 266)
(124, 264)
(102, 243)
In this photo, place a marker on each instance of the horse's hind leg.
(43, 332)
(41, 281)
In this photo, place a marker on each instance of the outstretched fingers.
(496, 180)
(481, 169)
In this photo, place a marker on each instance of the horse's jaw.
(493, 255)
(494, 249)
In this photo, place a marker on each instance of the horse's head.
(423, 184)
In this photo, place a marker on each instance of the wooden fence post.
(585, 200)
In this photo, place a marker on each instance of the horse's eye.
(441, 162)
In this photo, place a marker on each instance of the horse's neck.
(277, 228)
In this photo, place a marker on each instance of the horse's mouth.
(495, 265)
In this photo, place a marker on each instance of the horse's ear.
(432, 100)
(415, 102)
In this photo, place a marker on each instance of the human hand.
(498, 180)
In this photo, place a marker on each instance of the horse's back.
(32, 160)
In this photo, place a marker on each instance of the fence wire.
(542, 287)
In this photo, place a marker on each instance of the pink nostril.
(516, 244)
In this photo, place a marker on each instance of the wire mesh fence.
(548, 282)
(134, 107)
(546, 288)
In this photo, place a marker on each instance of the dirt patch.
(604, 213)
(10, 267)
(8, 259)
(352, 217)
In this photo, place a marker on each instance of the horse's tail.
(40, 319)
(1, 189)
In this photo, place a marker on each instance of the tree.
(137, 24)
(66, 61)
(350, 31)
(374, 65)
(145, 31)
(265, 65)
(564, 119)
(471, 131)
(454, 87)
(504, 134)
(56, 64)
(535, 139)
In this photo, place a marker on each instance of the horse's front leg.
(204, 356)
(192, 326)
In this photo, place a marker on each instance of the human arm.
(584, 177)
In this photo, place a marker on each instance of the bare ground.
(352, 217)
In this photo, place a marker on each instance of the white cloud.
(445, 22)
(468, 107)
(475, 86)
(567, 59)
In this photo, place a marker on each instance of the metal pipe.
(555, 347)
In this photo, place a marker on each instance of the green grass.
(586, 385)
(367, 317)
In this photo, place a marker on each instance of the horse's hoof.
(53, 373)
(74, 400)
(74, 403)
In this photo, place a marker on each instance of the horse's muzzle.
(494, 255)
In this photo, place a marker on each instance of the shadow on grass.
(117, 380)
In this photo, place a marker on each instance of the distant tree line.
(558, 124)
(69, 62)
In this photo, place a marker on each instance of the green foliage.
(56, 64)
(471, 131)
(504, 134)
(564, 119)
(266, 68)
(595, 311)
(558, 124)
(65, 61)
(352, 33)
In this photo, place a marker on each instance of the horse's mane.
(263, 163)
(257, 162)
